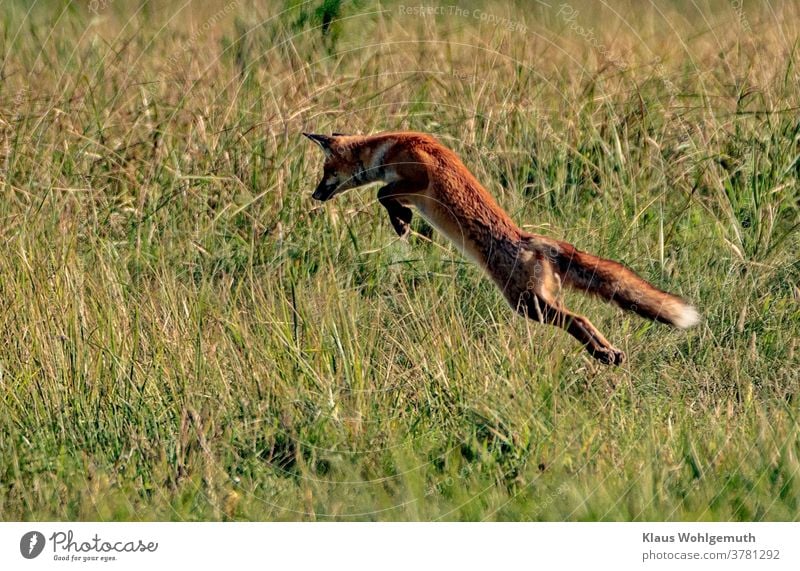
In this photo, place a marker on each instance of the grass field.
(186, 335)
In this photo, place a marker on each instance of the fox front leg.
(394, 197)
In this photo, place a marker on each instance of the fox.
(419, 172)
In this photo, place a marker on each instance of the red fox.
(529, 269)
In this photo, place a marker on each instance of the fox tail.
(615, 283)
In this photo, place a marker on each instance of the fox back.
(419, 172)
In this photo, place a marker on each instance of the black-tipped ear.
(339, 134)
(323, 141)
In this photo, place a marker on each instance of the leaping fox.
(528, 268)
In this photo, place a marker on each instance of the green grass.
(186, 335)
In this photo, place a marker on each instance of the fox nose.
(323, 192)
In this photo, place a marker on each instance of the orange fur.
(527, 268)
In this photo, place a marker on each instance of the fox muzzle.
(324, 192)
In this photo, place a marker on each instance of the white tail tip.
(686, 317)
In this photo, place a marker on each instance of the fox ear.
(338, 134)
(324, 141)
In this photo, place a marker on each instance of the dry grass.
(188, 336)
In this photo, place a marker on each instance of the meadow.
(186, 335)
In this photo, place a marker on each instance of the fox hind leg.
(535, 307)
(539, 302)
(584, 331)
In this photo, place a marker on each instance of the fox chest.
(450, 227)
(475, 239)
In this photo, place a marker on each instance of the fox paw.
(609, 355)
(403, 229)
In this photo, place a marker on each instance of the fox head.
(343, 168)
